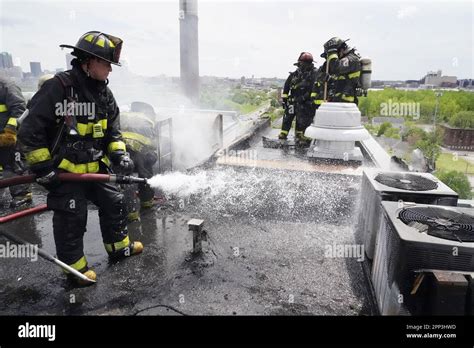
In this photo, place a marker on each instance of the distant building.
(412, 83)
(36, 68)
(437, 80)
(466, 83)
(458, 138)
(6, 60)
(15, 73)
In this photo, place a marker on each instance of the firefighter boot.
(147, 204)
(81, 282)
(21, 200)
(133, 216)
(283, 135)
(301, 140)
(134, 248)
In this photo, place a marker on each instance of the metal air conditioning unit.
(418, 237)
(378, 186)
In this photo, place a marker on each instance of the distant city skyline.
(69, 57)
(404, 39)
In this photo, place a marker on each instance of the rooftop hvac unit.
(418, 237)
(378, 186)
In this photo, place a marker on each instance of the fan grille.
(439, 222)
(410, 182)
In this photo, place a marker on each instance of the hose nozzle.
(125, 179)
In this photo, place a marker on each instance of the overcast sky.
(262, 38)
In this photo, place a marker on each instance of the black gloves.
(323, 77)
(122, 162)
(48, 178)
(126, 164)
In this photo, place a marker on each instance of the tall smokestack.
(189, 50)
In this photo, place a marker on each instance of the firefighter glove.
(8, 137)
(48, 179)
(125, 164)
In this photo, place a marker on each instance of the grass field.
(447, 161)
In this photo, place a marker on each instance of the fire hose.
(119, 179)
(47, 256)
(26, 179)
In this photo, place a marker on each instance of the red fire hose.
(121, 179)
(26, 179)
(26, 212)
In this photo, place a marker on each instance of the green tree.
(383, 127)
(462, 119)
(457, 181)
(412, 134)
(392, 132)
(430, 145)
(450, 103)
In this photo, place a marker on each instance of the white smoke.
(195, 136)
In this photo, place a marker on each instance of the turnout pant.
(288, 118)
(304, 118)
(69, 203)
(10, 160)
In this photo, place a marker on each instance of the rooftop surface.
(271, 233)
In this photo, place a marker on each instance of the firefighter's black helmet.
(98, 44)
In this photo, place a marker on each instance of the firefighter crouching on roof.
(297, 99)
(83, 138)
(12, 106)
(138, 132)
(344, 70)
(41, 82)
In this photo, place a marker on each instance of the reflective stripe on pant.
(344, 98)
(69, 203)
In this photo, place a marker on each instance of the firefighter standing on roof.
(12, 106)
(297, 98)
(317, 95)
(81, 138)
(344, 70)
